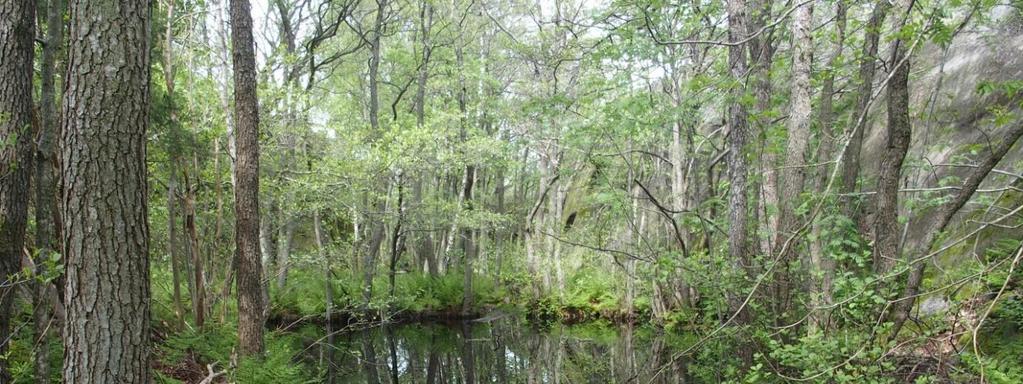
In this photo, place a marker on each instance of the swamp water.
(505, 351)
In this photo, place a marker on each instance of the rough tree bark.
(868, 62)
(899, 131)
(738, 136)
(794, 173)
(823, 266)
(17, 32)
(246, 191)
(103, 168)
(762, 49)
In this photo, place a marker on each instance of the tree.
(889, 174)
(864, 96)
(823, 264)
(246, 191)
(46, 180)
(17, 30)
(105, 116)
(173, 166)
(794, 173)
(738, 136)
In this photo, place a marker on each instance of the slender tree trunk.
(369, 353)
(174, 163)
(468, 244)
(250, 269)
(886, 202)
(823, 265)
(266, 241)
(465, 200)
(103, 168)
(199, 278)
(794, 173)
(377, 226)
(329, 294)
(468, 355)
(678, 196)
(432, 362)
(534, 218)
(904, 305)
(738, 137)
(864, 94)
(424, 240)
(374, 66)
(762, 51)
(46, 185)
(369, 261)
(397, 238)
(224, 86)
(172, 247)
(284, 238)
(17, 33)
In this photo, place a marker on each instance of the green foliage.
(278, 366)
(843, 358)
(591, 292)
(217, 344)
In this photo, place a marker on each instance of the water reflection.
(501, 352)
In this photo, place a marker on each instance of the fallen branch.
(212, 375)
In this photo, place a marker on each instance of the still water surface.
(504, 351)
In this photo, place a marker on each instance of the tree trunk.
(250, 269)
(103, 168)
(17, 33)
(397, 238)
(762, 51)
(738, 137)
(822, 265)
(199, 278)
(378, 231)
(369, 260)
(329, 294)
(886, 201)
(284, 237)
(172, 247)
(468, 244)
(424, 242)
(266, 241)
(794, 173)
(868, 62)
(172, 178)
(904, 305)
(46, 184)
(224, 86)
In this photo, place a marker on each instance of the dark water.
(504, 351)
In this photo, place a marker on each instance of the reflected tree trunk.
(468, 354)
(431, 363)
(369, 353)
(393, 348)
